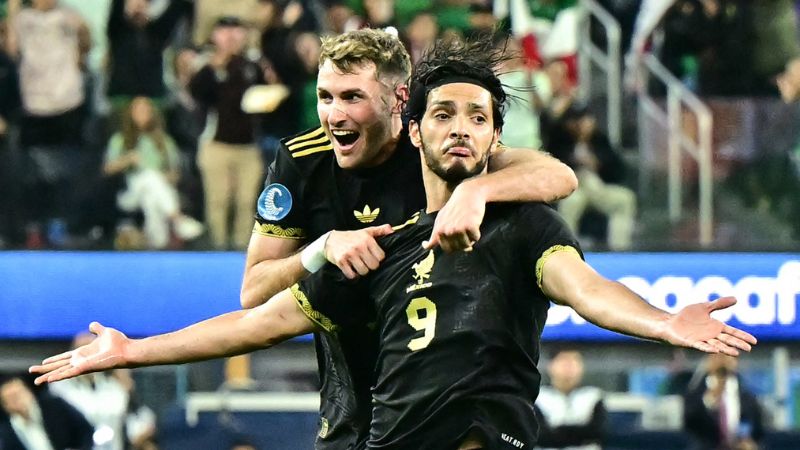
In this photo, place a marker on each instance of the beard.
(458, 171)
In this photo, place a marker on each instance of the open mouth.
(345, 138)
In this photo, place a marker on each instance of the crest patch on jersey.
(275, 202)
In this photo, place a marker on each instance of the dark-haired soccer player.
(459, 331)
(360, 172)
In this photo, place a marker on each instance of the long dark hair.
(154, 128)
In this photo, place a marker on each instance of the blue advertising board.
(53, 295)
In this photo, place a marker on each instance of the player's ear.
(496, 145)
(413, 133)
(401, 97)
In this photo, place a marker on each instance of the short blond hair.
(357, 48)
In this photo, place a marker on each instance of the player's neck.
(437, 190)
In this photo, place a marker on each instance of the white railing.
(609, 61)
(696, 143)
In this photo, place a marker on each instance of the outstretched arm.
(515, 174)
(570, 281)
(225, 335)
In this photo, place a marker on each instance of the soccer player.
(358, 171)
(459, 332)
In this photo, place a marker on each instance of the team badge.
(422, 271)
(275, 202)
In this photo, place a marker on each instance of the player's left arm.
(568, 280)
(515, 174)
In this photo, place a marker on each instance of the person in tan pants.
(600, 171)
(232, 176)
(230, 162)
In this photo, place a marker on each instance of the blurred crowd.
(150, 124)
(717, 409)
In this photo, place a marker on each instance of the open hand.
(103, 353)
(458, 223)
(356, 252)
(693, 327)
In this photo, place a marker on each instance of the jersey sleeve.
(331, 300)
(552, 236)
(280, 209)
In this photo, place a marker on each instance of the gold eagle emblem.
(422, 269)
(368, 215)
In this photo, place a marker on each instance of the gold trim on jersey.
(315, 316)
(311, 134)
(410, 221)
(300, 145)
(272, 230)
(548, 253)
(324, 427)
(322, 148)
(368, 215)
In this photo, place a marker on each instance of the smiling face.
(356, 111)
(456, 133)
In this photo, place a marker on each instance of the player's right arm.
(272, 264)
(229, 334)
(273, 261)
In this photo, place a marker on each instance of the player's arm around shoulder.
(514, 175)
(522, 174)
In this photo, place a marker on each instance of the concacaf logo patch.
(275, 202)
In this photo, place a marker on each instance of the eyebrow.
(472, 106)
(343, 93)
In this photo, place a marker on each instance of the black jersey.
(307, 194)
(459, 333)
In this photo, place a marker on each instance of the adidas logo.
(368, 215)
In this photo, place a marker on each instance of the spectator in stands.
(230, 163)
(710, 45)
(95, 14)
(285, 31)
(420, 34)
(339, 17)
(600, 169)
(570, 415)
(107, 401)
(41, 422)
(307, 47)
(206, 13)
(720, 413)
(184, 123)
(137, 39)
(530, 91)
(50, 43)
(149, 159)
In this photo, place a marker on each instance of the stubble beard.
(456, 173)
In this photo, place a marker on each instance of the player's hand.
(693, 327)
(458, 224)
(356, 252)
(105, 352)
